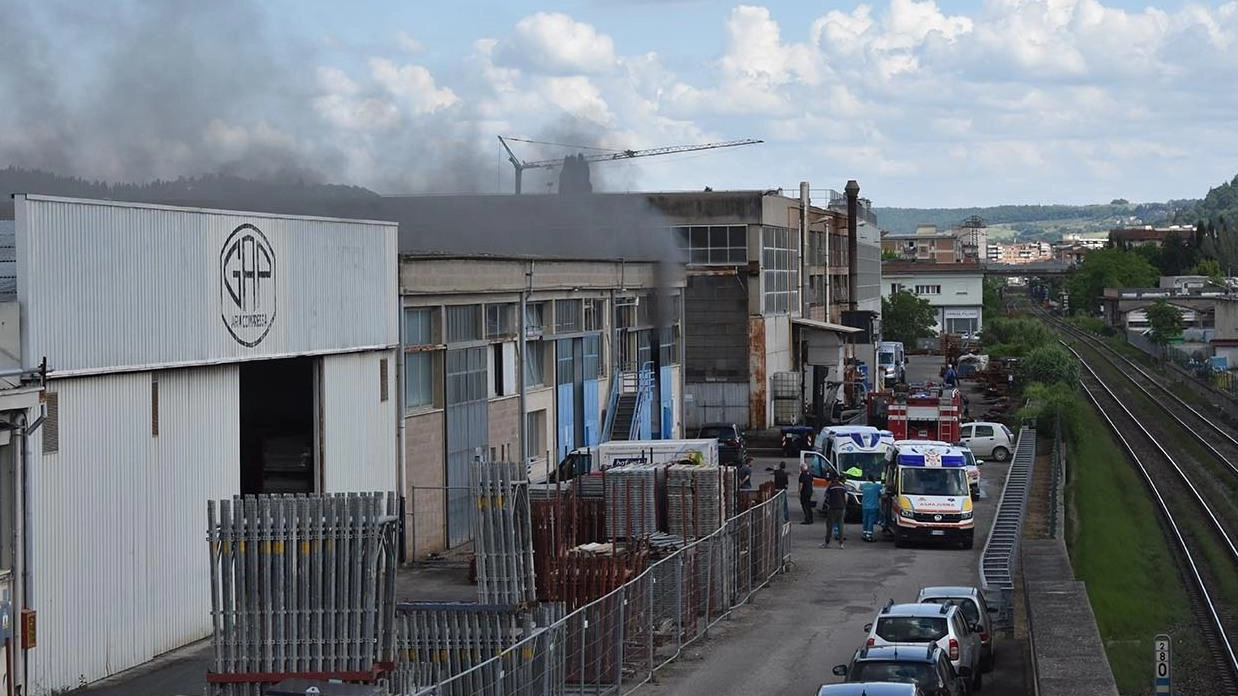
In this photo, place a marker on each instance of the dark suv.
(927, 667)
(731, 445)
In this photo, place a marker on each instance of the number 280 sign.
(1163, 664)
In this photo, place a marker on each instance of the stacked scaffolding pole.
(502, 534)
(301, 587)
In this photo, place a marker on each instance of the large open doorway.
(278, 442)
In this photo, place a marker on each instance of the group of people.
(835, 506)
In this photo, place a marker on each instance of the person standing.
(952, 378)
(870, 504)
(745, 474)
(806, 493)
(781, 482)
(836, 511)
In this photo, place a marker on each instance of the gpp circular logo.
(247, 295)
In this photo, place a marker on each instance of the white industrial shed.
(192, 354)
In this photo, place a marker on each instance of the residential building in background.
(1019, 252)
(1128, 237)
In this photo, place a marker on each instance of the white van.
(891, 362)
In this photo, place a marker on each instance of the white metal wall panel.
(714, 402)
(118, 515)
(89, 539)
(114, 285)
(359, 448)
(197, 459)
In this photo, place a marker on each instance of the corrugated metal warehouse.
(192, 354)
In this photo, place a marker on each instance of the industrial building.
(532, 325)
(769, 279)
(190, 355)
(955, 290)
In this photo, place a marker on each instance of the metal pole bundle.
(502, 533)
(301, 587)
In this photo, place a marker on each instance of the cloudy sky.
(930, 104)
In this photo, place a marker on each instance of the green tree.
(1108, 268)
(905, 318)
(1049, 402)
(887, 255)
(1165, 321)
(1207, 267)
(1048, 364)
(1012, 338)
(1178, 255)
(992, 297)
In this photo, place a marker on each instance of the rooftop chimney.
(853, 192)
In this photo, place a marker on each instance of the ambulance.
(859, 451)
(929, 495)
(973, 464)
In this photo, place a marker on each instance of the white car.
(988, 440)
(918, 624)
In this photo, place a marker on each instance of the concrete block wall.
(425, 507)
(505, 429)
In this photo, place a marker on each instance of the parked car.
(732, 447)
(942, 625)
(929, 669)
(871, 689)
(988, 440)
(976, 611)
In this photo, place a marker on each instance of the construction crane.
(520, 165)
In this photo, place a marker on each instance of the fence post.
(651, 619)
(623, 602)
(679, 608)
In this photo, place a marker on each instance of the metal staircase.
(625, 416)
(631, 397)
(1001, 552)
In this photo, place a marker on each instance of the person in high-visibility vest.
(870, 504)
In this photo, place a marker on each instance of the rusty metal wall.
(757, 383)
(108, 286)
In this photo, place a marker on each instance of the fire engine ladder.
(1001, 550)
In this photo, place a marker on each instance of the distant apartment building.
(1087, 241)
(1018, 252)
(927, 244)
(1128, 237)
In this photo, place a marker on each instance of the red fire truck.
(918, 413)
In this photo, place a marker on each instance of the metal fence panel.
(611, 645)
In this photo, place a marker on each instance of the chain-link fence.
(616, 643)
(1195, 366)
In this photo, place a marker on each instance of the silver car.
(977, 612)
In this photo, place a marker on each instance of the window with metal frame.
(534, 318)
(779, 270)
(465, 323)
(713, 244)
(500, 320)
(418, 379)
(595, 314)
(535, 432)
(568, 317)
(419, 327)
(535, 364)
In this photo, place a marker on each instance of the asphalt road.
(807, 621)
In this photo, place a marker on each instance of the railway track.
(1215, 437)
(1200, 482)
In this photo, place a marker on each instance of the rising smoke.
(129, 91)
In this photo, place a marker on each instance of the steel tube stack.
(502, 533)
(301, 587)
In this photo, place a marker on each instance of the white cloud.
(554, 43)
(407, 43)
(413, 84)
(578, 97)
(336, 81)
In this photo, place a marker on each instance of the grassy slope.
(1116, 547)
